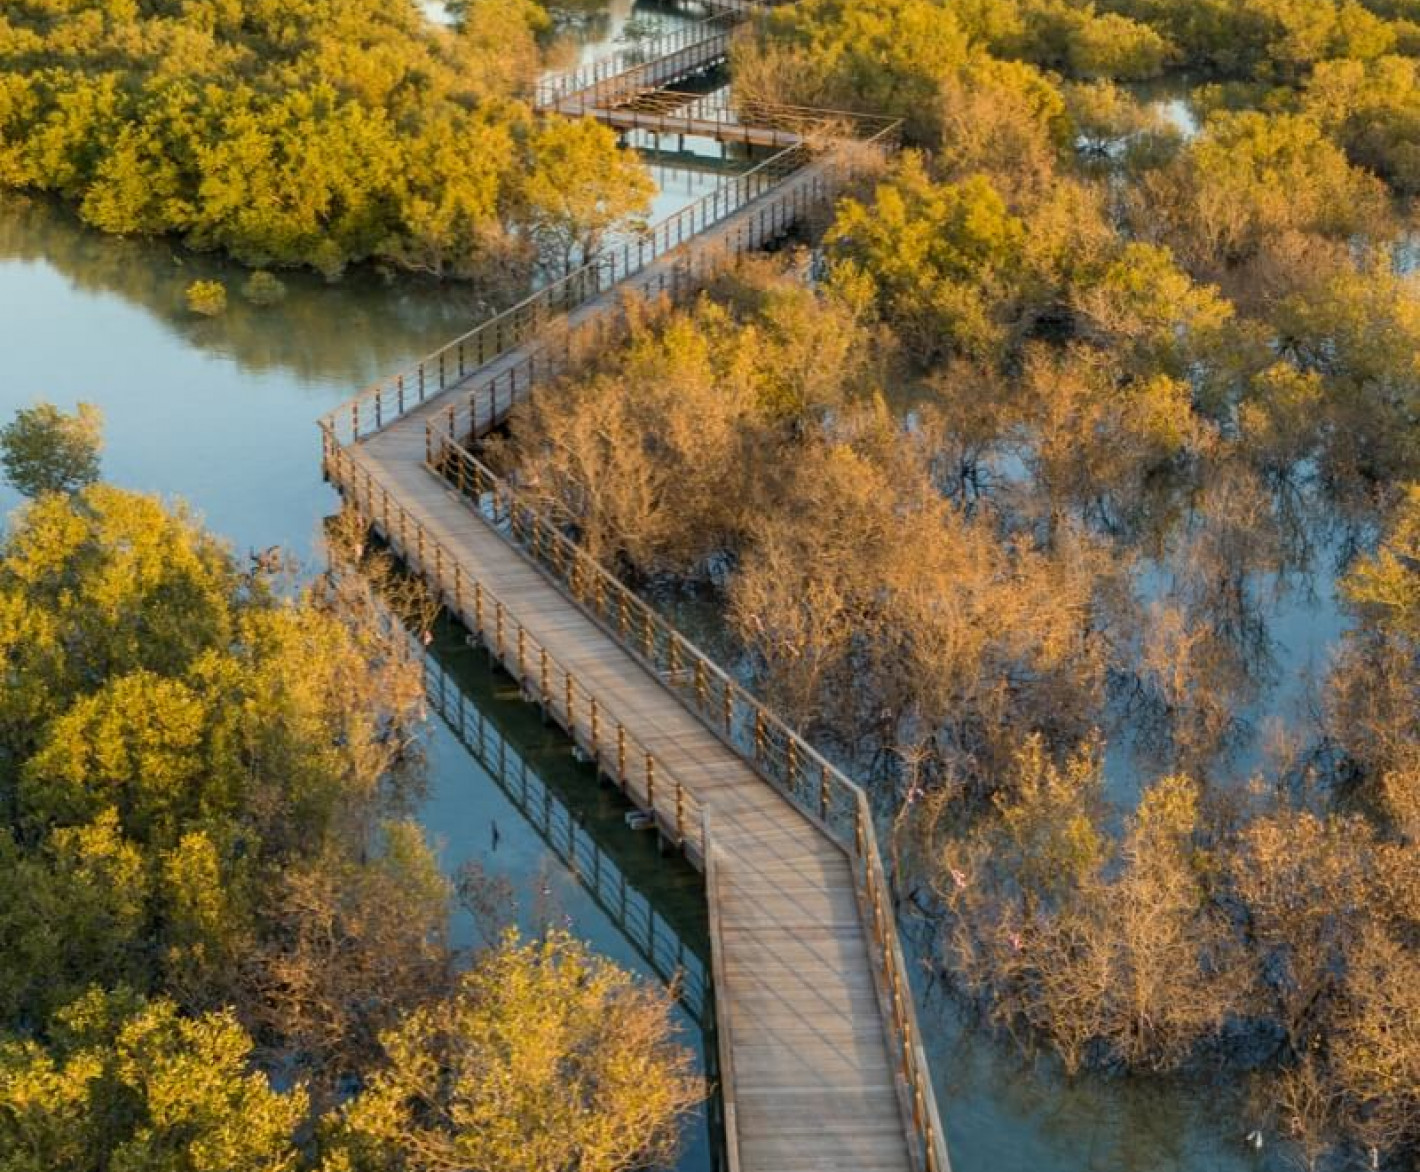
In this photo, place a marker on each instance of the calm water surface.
(222, 413)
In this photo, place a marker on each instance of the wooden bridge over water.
(821, 1065)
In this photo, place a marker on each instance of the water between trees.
(222, 413)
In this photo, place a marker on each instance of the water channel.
(221, 413)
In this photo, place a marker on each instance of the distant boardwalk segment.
(821, 1064)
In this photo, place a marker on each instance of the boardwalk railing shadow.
(679, 966)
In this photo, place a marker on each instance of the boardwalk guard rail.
(606, 741)
(658, 942)
(648, 65)
(530, 319)
(816, 786)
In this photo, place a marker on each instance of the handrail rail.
(777, 752)
(729, 1101)
(380, 405)
(544, 679)
(664, 951)
(711, 36)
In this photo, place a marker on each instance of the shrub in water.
(209, 298)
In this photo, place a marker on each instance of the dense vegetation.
(225, 942)
(304, 132)
(1010, 501)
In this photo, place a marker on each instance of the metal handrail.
(380, 405)
(663, 949)
(702, 43)
(729, 1097)
(776, 751)
(543, 678)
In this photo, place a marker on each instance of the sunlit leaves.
(545, 1058)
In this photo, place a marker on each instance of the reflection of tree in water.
(1013, 1111)
(349, 333)
(1246, 556)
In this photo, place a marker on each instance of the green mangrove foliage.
(303, 133)
(45, 450)
(225, 941)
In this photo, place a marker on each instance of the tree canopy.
(221, 925)
(44, 450)
(299, 133)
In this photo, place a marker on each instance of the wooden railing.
(659, 944)
(544, 680)
(379, 406)
(649, 64)
(778, 753)
(727, 1096)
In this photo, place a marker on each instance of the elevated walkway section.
(821, 1066)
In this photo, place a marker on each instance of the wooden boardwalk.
(796, 999)
(688, 124)
(821, 1068)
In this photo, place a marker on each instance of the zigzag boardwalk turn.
(821, 1067)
